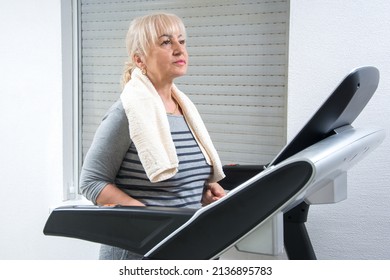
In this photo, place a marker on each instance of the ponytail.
(126, 76)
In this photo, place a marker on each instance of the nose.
(178, 48)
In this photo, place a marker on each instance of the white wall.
(327, 40)
(31, 132)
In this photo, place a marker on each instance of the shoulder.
(116, 111)
(115, 122)
(116, 116)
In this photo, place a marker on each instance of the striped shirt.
(113, 158)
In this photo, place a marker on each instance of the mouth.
(180, 62)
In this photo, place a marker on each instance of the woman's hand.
(212, 192)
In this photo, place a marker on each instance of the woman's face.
(167, 59)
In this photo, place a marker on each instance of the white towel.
(150, 132)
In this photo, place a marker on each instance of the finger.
(217, 190)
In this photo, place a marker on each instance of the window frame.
(70, 48)
(72, 96)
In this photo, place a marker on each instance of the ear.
(138, 60)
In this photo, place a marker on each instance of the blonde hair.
(144, 32)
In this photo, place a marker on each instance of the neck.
(165, 92)
(162, 86)
(170, 104)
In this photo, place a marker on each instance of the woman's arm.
(104, 159)
(111, 194)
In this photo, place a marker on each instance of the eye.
(182, 42)
(166, 42)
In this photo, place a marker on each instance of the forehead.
(169, 36)
(168, 27)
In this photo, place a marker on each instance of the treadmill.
(266, 207)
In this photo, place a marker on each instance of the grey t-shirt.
(113, 158)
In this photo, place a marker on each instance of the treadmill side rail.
(133, 228)
(217, 227)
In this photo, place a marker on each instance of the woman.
(152, 148)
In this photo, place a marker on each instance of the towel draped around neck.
(150, 132)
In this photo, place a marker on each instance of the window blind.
(237, 68)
